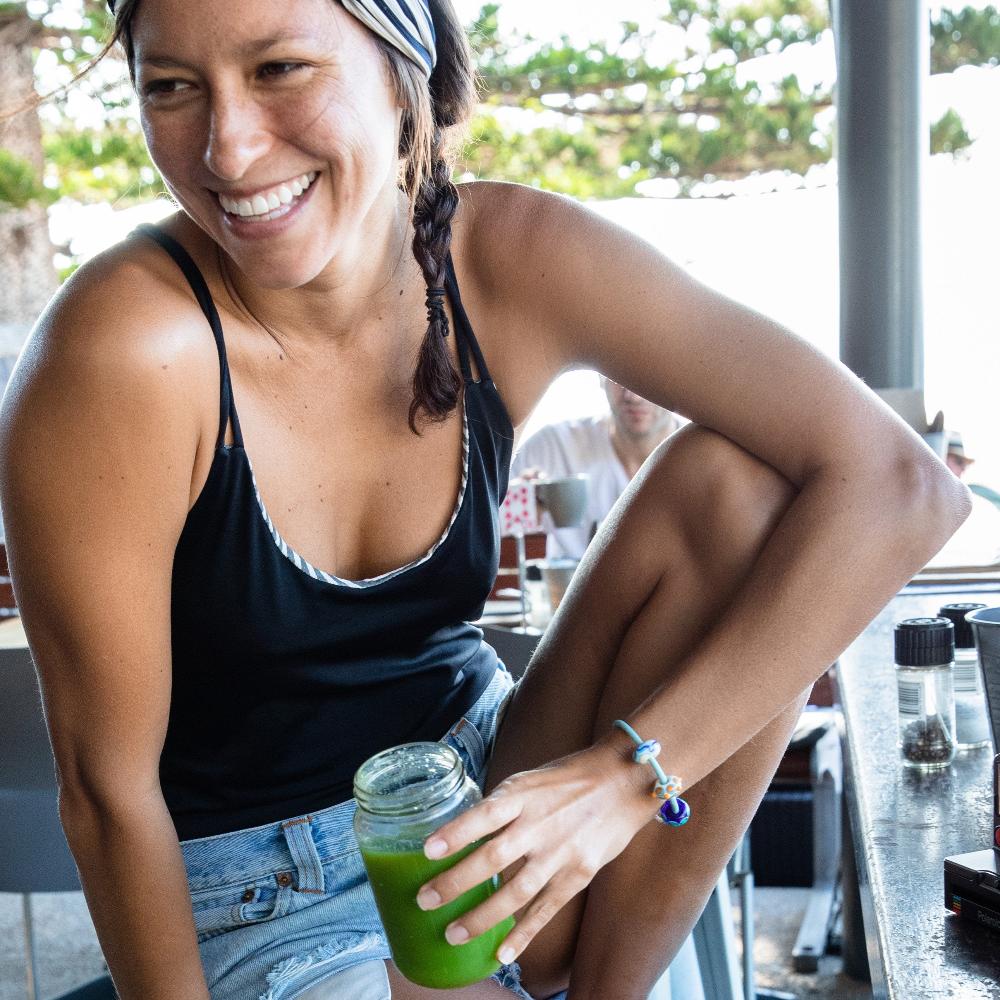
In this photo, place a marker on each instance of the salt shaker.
(972, 726)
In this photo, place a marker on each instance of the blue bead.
(674, 812)
(646, 751)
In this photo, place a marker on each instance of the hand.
(533, 473)
(556, 826)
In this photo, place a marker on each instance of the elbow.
(933, 502)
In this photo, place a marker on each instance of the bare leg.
(403, 989)
(651, 587)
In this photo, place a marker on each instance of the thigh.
(663, 566)
(403, 989)
(367, 981)
(554, 709)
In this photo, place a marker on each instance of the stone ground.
(68, 953)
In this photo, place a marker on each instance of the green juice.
(416, 936)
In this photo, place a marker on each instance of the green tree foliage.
(965, 37)
(19, 183)
(589, 120)
(616, 115)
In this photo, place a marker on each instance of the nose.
(237, 137)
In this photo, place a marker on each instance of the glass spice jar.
(972, 724)
(405, 794)
(925, 651)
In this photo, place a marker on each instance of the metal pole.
(883, 53)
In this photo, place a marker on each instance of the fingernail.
(456, 934)
(435, 848)
(427, 899)
(506, 956)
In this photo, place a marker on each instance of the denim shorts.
(285, 910)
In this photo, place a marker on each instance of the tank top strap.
(466, 338)
(227, 405)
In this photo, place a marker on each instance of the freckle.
(401, 291)
(281, 357)
(164, 367)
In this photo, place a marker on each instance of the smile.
(268, 203)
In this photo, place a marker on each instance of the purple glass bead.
(674, 812)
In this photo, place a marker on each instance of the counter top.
(904, 823)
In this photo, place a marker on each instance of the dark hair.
(432, 129)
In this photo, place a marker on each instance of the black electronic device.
(972, 881)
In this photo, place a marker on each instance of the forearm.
(837, 555)
(133, 877)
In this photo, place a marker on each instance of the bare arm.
(98, 437)
(873, 503)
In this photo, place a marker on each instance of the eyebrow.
(251, 48)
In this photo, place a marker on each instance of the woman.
(220, 645)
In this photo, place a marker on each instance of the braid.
(436, 384)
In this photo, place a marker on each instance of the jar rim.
(408, 779)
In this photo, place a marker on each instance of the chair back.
(34, 855)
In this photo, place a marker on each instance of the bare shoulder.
(121, 358)
(130, 303)
(125, 322)
(520, 234)
(511, 251)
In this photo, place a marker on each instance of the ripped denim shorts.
(285, 910)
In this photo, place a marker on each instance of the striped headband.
(404, 24)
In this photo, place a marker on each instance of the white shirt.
(566, 449)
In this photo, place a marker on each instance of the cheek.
(361, 151)
(174, 145)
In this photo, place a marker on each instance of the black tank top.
(285, 679)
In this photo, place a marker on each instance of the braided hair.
(433, 112)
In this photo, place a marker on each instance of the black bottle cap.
(925, 642)
(963, 630)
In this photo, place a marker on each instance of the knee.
(727, 498)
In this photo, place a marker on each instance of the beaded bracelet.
(674, 811)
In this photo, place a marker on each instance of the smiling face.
(274, 127)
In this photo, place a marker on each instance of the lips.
(267, 203)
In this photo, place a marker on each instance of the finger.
(526, 885)
(489, 859)
(544, 907)
(490, 815)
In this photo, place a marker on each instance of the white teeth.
(264, 203)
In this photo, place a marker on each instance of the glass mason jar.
(925, 650)
(404, 794)
(972, 725)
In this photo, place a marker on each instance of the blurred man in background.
(608, 448)
(959, 463)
